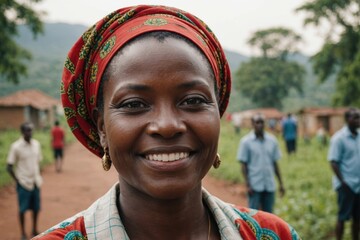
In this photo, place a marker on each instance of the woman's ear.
(99, 121)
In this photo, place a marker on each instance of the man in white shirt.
(25, 155)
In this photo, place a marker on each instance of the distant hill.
(56, 41)
(49, 52)
(235, 59)
(50, 49)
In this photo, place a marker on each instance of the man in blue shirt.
(289, 130)
(344, 156)
(258, 153)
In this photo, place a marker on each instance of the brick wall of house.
(11, 117)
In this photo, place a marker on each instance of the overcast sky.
(233, 21)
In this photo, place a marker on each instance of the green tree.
(340, 53)
(275, 42)
(13, 57)
(267, 79)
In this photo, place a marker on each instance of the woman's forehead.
(161, 40)
(150, 54)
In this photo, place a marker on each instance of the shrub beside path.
(82, 181)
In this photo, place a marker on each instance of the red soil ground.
(88, 181)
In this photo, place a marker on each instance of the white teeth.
(167, 157)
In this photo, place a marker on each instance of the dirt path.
(83, 172)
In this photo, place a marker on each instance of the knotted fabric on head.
(88, 58)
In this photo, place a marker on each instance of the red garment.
(58, 135)
(261, 224)
(75, 230)
(92, 52)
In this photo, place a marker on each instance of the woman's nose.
(166, 123)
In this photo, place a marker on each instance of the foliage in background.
(340, 53)
(13, 12)
(49, 52)
(275, 42)
(267, 79)
(314, 93)
(309, 204)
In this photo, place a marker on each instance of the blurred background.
(299, 57)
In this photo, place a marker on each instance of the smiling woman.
(144, 89)
(165, 110)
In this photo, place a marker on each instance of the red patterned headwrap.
(88, 58)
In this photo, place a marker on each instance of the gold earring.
(106, 161)
(217, 161)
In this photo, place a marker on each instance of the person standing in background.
(258, 153)
(344, 157)
(25, 154)
(236, 120)
(57, 142)
(289, 130)
(321, 136)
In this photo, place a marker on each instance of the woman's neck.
(147, 218)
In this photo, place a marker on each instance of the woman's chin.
(172, 191)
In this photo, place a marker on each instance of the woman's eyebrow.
(193, 83)
(135, 87)
(144, 87)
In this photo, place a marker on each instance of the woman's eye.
(194, 101)
(133, 105)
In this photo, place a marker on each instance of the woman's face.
(161, 120)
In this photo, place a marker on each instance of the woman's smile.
(169, 163)
(167, 157)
